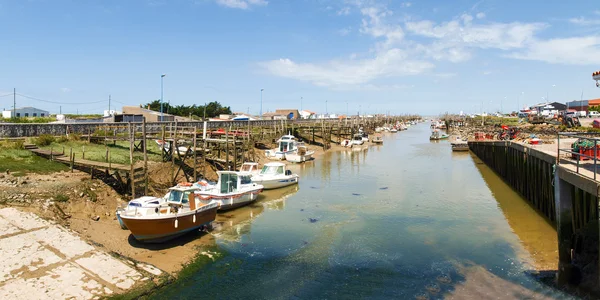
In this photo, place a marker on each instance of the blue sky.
(424, 57)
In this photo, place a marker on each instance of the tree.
(213, 109)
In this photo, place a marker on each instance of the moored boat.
(438, 135)
(286, 144)
(459, 145)
(301, 155)
(377, 139)
(250, 168)
(233, 189)
(275, 175)
(156, 220)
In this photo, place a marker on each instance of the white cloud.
(445, 75)
(568, 51)
(345, 31)
(242, 4)
(480, 15)
(393, 62)
(487, 72)
(344, 11)
(584, 22)
(466, 34)
(406, 4)
(65, 90)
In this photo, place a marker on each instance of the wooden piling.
(144, 140)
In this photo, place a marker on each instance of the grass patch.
(118, 153)
(61, 198)
(19, 161)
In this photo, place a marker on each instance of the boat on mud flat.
(286, 144)
(233, 189)
(161, 219)
(301, 155)
(438, 135)
(275, 175)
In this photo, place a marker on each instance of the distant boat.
(459, 145)
(274, 175)
(301, 155)
(286, 144)
(438, 135)
(377, 139)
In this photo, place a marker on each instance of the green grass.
(21, 162)
(119, 153)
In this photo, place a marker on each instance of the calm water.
(403, 220)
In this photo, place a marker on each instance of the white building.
(25, 112)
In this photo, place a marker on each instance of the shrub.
(44, 140)
(61, 198)
(74, 136)
(62, 139)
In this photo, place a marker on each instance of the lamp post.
(301, 103)
(161, 96)
(326, 113)
(261, 90)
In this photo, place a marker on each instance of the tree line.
(210, 110)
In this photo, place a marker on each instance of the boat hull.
(270, 184)
(163, 228)
(228, 202)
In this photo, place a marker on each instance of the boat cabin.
(287, 143)
(275, 169)
(231, 181)
(249, 167)
(357, 137)
(179, 195)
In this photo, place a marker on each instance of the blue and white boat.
(275, 175)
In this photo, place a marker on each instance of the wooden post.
(163, 143)
(235, 154)
(71, 158)
(131, 162)
(51, 154)
(227, 149)
(83, 152)
(195, 154)
(145, 156)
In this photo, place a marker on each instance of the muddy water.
(403, 220)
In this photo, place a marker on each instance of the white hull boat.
(302, 155)
(234, 189)
(285, 145)
(274, 175)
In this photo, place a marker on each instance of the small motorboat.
(357, 139)
(275, 175)
(377, 139)
(233, 189)
(286, 144)
(301, 155)
(438, 135)
(156, 220)
(393, 129)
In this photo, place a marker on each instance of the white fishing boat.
(286, 144)
(303, 154)
(275, 175)
(157, 220)
(365, 136)
(377, 139)
(250, 168)
(234, 189)
(393, 130)
(357, 139)
(459, 145)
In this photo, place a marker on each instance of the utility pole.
(109, 105)
(14, 103)
(60, 110)
(204, 118)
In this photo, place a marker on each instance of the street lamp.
(301, 103)
(161, 96)
(261, 90)
(326, 113)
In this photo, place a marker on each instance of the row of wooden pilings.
(567, 199)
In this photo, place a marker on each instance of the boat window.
(280, 170)
(186, 197)
(175, 196)
(283, 146)
(228, 183)
(246, 168)
(245, 180)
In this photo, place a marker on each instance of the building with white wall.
(25, 112)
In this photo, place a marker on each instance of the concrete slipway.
(42, 260)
